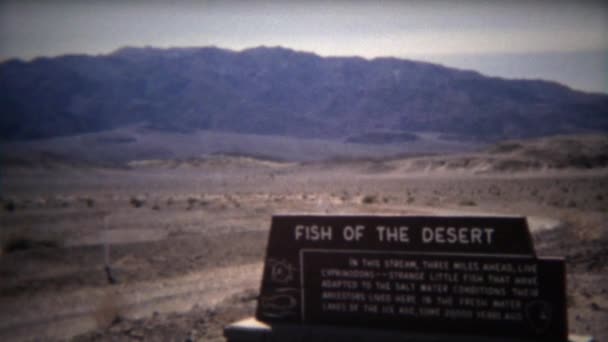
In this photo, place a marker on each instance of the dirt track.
(80, 311)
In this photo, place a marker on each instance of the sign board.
(469, 275)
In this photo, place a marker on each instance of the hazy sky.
(565, 41)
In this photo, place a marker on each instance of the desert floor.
(186, 241)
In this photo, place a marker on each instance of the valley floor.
(186, 242)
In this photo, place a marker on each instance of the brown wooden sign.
(469, 275)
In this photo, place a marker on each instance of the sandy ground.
(186, 242)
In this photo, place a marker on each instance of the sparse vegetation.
(192, 202)
(369, 199)
(90, 203)
(9, 206)
(16, 243)
(137, 202)
(468, 203)
(150, 250)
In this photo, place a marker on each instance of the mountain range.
(277, 91)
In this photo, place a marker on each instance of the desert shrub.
(21, 243)
(137, 202)
(10, 206)
(90, 203)
(192, 202)
(369, 199)
(468, 203)
(59, 202)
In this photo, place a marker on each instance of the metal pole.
(106, 252)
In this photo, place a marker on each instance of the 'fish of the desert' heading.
(396, 234)
(456, 234)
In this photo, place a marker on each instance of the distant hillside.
(277, 91)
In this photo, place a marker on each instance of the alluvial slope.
(587, 151)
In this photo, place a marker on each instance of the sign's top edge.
(482, 216)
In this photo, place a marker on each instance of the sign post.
(473, 277)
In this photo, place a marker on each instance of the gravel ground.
(186, 245)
